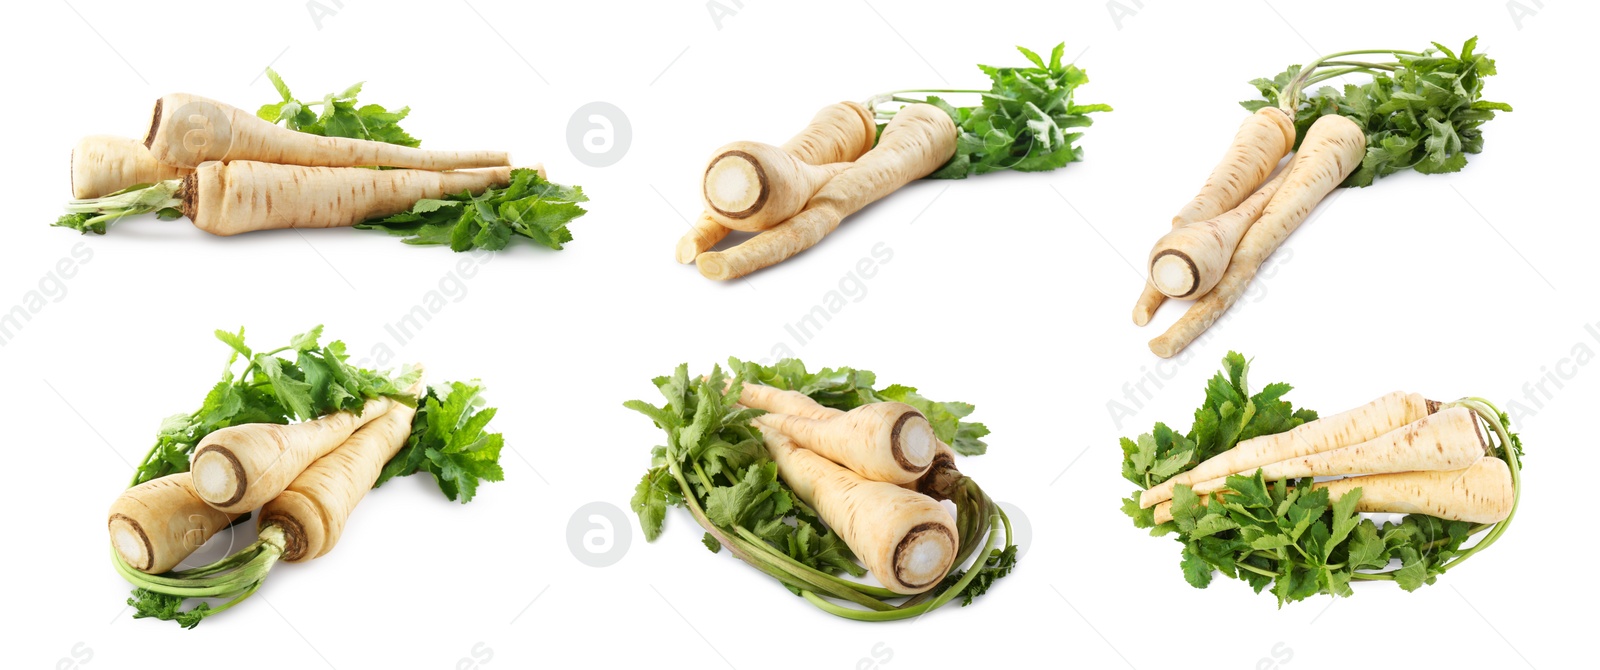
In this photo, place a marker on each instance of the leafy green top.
(713, 444)
(1022, 122)
(1229, 415)
(340, 116)
(529, 206)
(1288, 535)
(848, 388)
(1423, 112)
(449, 440)
(316, 380)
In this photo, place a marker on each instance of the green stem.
(106, 210)
(1289, 98)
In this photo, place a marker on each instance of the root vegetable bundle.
(809, 476)
(1421, 111)
(302, 439)
(232, 172)
(1240, 490)
(795, 194)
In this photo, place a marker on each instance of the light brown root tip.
(728, 181)
(712, 266)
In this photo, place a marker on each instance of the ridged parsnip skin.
(1390, 412)
(703, 234)
(1263, 139)
(312, 512)
(1250, 156)
(920, 139)
(1332, 149)
(839, 133)
(906, 539)
(1190, 260)
(936, 482)
(1480, 493)
(885, 441)
(752, 186)
(1448, 440)
(103, 164)
(245, 196)
(239, 468)
(187, 130)
(157, 524)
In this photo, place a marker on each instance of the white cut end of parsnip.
(926, 559)
(917, 442)
(213, 476)
(129, 544)
(1172, 276)
(732, 184)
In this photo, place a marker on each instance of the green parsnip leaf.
(528, 207)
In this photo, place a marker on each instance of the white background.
(1010, 291)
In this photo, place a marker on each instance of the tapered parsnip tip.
(130, 542)
(218, 476)
(712, 265)
(924, 555)
(687, 250)
(735, 184)
(1174, 273)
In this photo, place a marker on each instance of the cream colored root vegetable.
(907, 540)
(104, 164)
(938, 482)
(1189, 261)
(1449, 440)
(157, 524)
(187, 130)
(1390, 412)
(237, 469)
(245, 196)
(1331, 150)
(1480, 493)
(1263, 139)
(839, 133)
(885, 441)
(919, 140)
(312, 512)
(752, 186)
